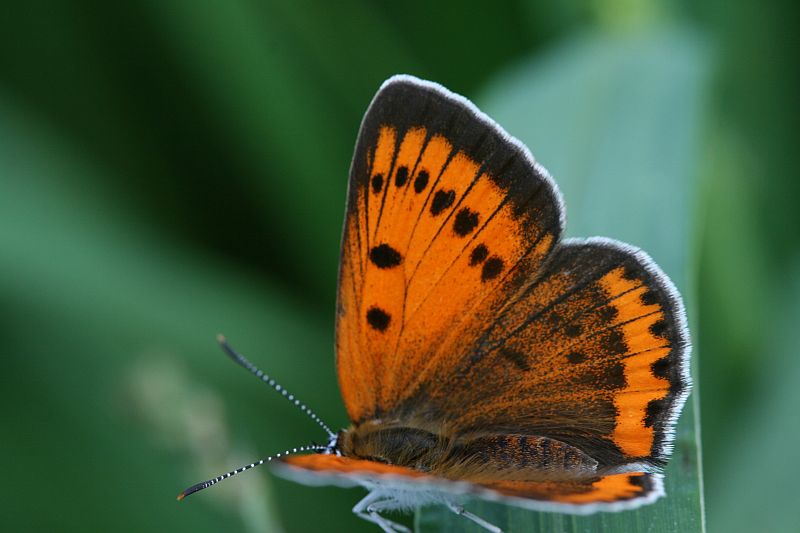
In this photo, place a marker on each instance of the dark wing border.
(680, 357)
(405, 101)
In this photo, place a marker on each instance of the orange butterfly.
(478, 354)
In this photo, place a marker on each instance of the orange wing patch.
(337, 465)
(606, 489)
(640, 314)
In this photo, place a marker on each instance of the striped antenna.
(239, 358)
(205, 484)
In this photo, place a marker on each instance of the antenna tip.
(221, 338)
(181, 496)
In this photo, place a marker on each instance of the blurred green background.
(171, 170)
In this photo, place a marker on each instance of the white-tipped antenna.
(205, 484)
(239, 358)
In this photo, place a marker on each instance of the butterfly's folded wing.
(459, 308)
(580, 495)
(612, 492)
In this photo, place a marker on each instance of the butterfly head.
(332, 448)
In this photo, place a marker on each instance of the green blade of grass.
(616, 121)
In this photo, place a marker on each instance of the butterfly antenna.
(239, 358)
(205, 484)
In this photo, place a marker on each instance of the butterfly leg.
(371, 505)
(457, 509)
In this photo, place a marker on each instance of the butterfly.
(479, 354)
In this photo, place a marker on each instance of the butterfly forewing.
(443, 209)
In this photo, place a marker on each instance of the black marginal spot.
(655, 408)
(442, 200)
(639, 480)
(659, 328)
(401, 176)
(384, 256)
(660, 368)
(466, 221)
(377, 183)
(649, 297)
(378, 319)
(576, 357)
(520, 360)
(492, 268)
(572, 330)
(478, 255)
(421, 181)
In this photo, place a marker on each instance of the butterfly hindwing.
(592, 353)
(611, 492)
(443, 208)
(547, 492)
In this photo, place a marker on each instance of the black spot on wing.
(608, 313)
(478, 255)
(401, 176)
(655, 411)
(649, 297)
(384, 256)
(492, 268)
(520, 360)
(614, 342)
(576, 357)
(378, 318)
(421, 181)
(661, 367)
(377, 183)
(442, 200)
(466, 221)
(659, 328)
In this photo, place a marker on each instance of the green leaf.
(762, 453)
(616, 121)
(112, 330)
